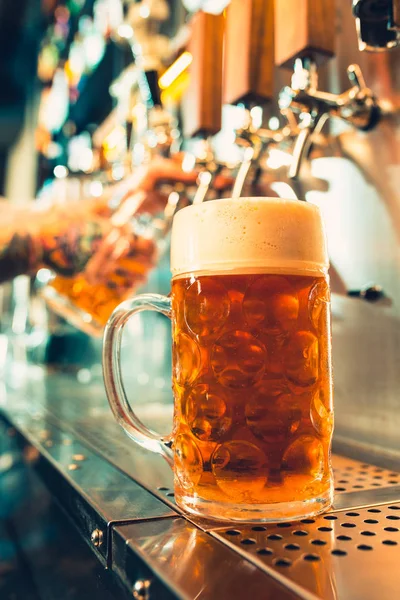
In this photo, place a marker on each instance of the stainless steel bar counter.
(120, 500)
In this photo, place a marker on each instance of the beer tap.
(305, 38)
(202, 101)
(249, 77)
(257, 142)
(357, 105)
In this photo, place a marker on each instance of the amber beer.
(253, 417)
(251, 360)
(250, 311)
(119, 265)
(89, 299)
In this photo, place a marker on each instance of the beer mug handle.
(112, 374)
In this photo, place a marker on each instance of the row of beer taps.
(305, 109)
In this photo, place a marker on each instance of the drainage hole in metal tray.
(393, 517)
(274, 536)
(344, 538)
(349, 525)
(343, 481)
(340, 489)
(299, 532)
(370, 521)
(338, 552)
(307, 521)
(393, 529)
(282, 562)
(394, 507)
(318, 542)
(248, 542)
(292, 547)
(389, 542)
(325, 529)
(311, 557)
(374, 510)
(368, 533)
(232, 532)
(259, 528)
(170, 495)
(358, 487)
(283, 525)
(265, 551)
(364, 547)
(330, 517)
(163, 489)
(353, 514)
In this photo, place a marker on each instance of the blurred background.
(242, 98)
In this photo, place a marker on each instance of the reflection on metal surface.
(353, 475)
(93, 493)
(141, 589)
(324, 555)
(97, 537)
(190, 562)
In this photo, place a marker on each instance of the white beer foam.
(249, 235)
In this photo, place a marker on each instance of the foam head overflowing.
(249, 235)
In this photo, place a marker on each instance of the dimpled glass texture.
(253, 395)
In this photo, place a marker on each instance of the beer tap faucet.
(256, 142)
(357, 105)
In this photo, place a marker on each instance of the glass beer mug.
(250, 311)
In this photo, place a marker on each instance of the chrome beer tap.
(203, 158)
(357, 105)
(256, 141)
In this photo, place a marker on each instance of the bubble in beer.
(272, 414)
(186, 359)
(321, 414)
(240, 469)
(319, 299)
(304, 456)
(188, 465)
(271, 303)
(301, 359)
(206, 307)
(206, 412)
(238, 359)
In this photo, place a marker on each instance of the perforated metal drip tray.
(348, 553)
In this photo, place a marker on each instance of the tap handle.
(304, 28)
(356, 77)
(249, 74)
(202, 100)
(300, 151)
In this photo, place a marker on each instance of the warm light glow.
(278, 158)
(256, 114)
(273, 123)
(173, 72)
(96, 188)
(144, 11)
(125, 31)
(44, 276)
(283, 190)
(60, 172)
(189, 162)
